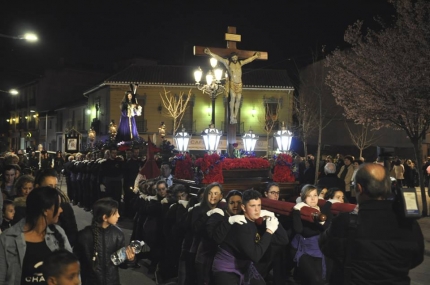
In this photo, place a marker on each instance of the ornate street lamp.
(249, 140)
(213, 86)
(211, 138)
(182, 139)
(283, 138)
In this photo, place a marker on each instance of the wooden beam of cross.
(231, 37)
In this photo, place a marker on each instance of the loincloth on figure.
(236, 87)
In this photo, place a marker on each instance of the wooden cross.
(231, 37)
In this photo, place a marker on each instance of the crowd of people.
(203, 237)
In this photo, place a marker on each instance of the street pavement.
(419, 275)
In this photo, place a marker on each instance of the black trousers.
(114, 190)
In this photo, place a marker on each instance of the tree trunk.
(418, 152)
(361, 153)
(267, 145)
(305, 148)
(320, 127)
(318, 155)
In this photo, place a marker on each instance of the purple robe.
(127, 129)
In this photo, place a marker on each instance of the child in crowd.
(96, 244)
(8, 214)
(61, 267)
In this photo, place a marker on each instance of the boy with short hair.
(62, 267)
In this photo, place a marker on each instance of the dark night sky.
(95, 34)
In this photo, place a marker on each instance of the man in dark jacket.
(330, 179)
(377, 246)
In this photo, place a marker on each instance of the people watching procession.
(209, 236)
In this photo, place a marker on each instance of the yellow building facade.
(258, 98)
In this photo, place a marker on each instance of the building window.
(272, 107)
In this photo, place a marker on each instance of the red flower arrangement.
(183, 167)
(245, 163)
(211, 166)
(283, 165)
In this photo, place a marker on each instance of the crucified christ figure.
(234, 67)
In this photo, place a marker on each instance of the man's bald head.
(374, 181)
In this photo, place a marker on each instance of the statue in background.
(234, 68)
(127, 129)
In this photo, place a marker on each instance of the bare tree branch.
(176, 106)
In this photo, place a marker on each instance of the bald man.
(376, 246)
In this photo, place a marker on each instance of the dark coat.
(385, 247)
(109, 241)
(331, 180)
(67, 221)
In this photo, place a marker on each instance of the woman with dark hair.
(25, 244)
(58, 162)
(48, 177)
(23, 186)
(335, 194)
(127, 129)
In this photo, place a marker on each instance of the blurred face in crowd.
(9, 212)
(356, 165)
(51, 216)
(20, 155)
(338, 195)
(234, 205)
(135, 153)
(15, 160)
(26, 189)
(347, 161)
(214, 196)
(323, 192)
(71, 275)
(113, 153)
(312, 198)
(273, 193)
(111, 220)
(50, 181)
(165, 171)
(162, 190)
(9, 176)
(252, 209)
(182, 196)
